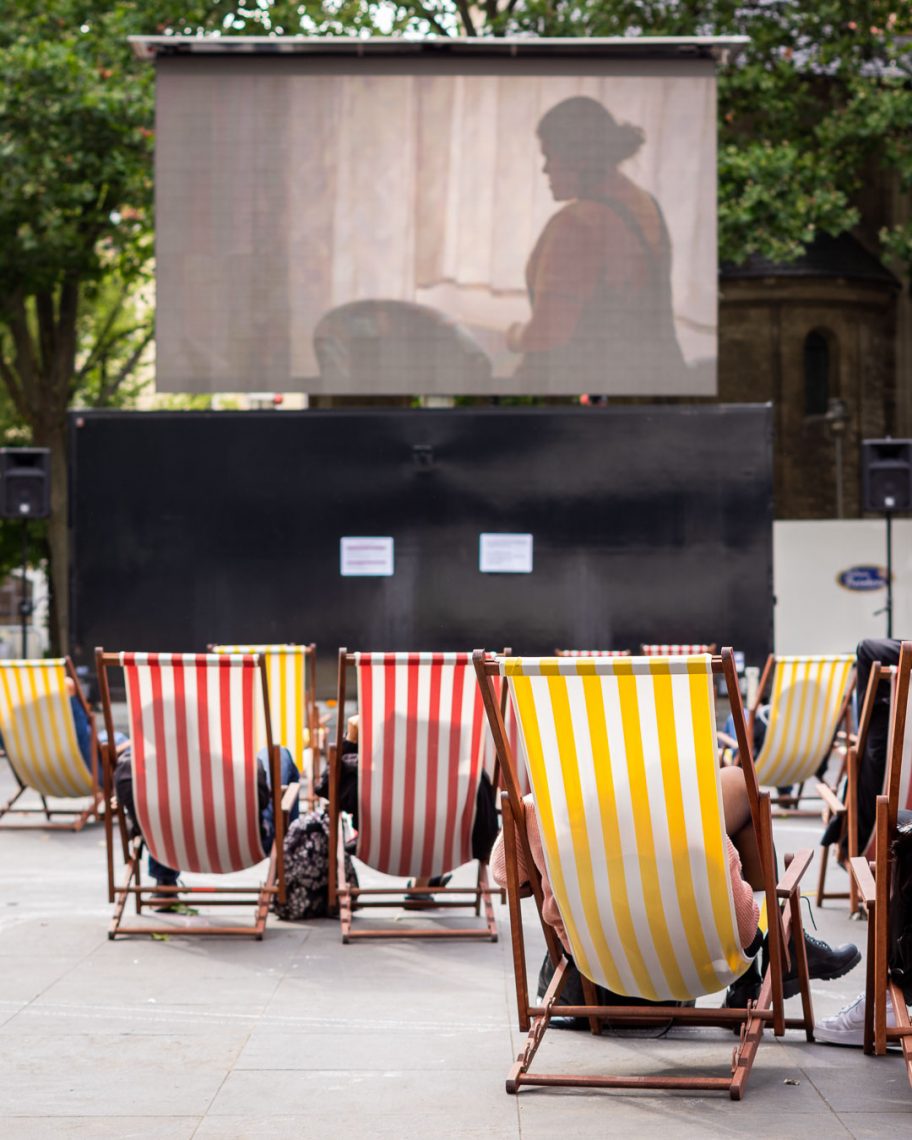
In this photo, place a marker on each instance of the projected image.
(441, 234)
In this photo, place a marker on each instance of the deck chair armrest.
(832, 801)
(290, 795)
(727, 741)
(794, 872)
(860, 870)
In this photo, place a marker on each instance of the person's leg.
(740, 826)
(123, 789)
(824, 961)
(873, 762)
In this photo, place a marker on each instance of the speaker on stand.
(886, 488)
(25, 493)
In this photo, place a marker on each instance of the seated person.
(83, 729)
(745, 867)
(847, 1026)
(168, 876)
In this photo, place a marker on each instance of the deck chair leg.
(9, 803)
(745, 1052)
(901, 1017)
(537, 1029)
(265, 897)
(796, 928)
(821, 880)
(869, 983)
(47, 810)
(123, 894)
(591, 998)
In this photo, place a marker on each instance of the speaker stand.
(25, 606)
(888, 608)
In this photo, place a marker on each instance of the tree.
(76, 135)
(819, 98)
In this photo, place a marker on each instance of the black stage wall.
(647, 523)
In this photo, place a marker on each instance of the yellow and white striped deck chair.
(39, 734)
(809, 698)
(622, 756)
(291, 675)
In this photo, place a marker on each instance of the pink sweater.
(746, 909)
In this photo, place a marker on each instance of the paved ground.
(300, 1036)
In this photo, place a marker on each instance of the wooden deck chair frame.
(344, 898)
(77, 818)
(310, 719)
(790, 805)
(848, 811)
(534, 1017)
(873, 879)
(131, 846)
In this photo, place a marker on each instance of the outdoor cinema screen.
(434, 224)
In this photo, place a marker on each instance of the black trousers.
(873, 763)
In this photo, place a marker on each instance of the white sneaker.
(847, 1026)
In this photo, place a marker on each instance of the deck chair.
(36, 721)
(874, 878)
(677, 650)
(810, 697)
(591, 652)
(625, 783)
(847, 810)
(420, 758)
(194, 724)
(291, 671)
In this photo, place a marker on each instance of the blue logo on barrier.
(863, 578)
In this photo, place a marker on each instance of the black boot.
(825, 963)
(743, 989)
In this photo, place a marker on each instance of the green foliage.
(818, 99)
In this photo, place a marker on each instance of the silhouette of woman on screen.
(599, 277)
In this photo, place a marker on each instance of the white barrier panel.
(829, 581)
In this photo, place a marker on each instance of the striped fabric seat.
(622, 757)
(592, 652)
(195, 721)
(420, 760)
(806, 702)
(36, 720)
(676, 650)
(291, 694)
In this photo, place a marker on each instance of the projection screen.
(436, 223)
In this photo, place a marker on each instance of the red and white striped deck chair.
(420, 760)
(592, 652)
(627, 794)
(195, 721)
(291, 672)
(39, 735)
(810, 697)
(875, 879)
(677, 650)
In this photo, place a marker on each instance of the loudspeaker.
(886, 475)
(25, 482)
